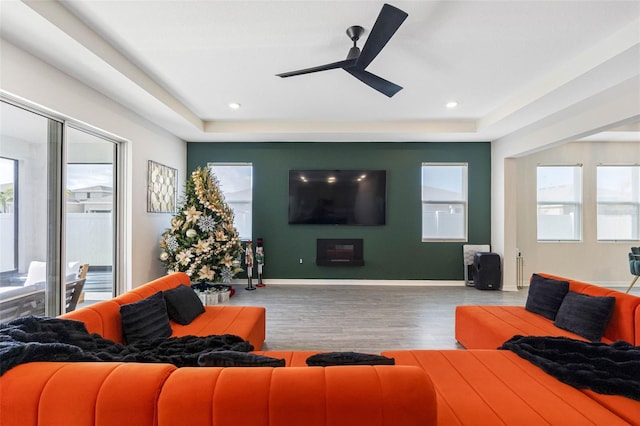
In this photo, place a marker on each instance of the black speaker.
(487, 271)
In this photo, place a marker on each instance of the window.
(236, 183)
(618, 195)
(444, 201)
(559, 203)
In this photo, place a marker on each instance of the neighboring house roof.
(95, 188)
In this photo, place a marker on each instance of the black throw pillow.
(237, 359)
(545, 296)
(584, 315)
(183, 304)
(145, 319)
(347, 358)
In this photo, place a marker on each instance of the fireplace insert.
(339, 252)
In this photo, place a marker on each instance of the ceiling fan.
(388, 22)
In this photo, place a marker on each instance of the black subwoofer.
(487, 271)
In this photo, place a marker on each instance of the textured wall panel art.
(162, 188)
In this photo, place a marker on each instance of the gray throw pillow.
(145, 319)
(347, 358)
(545, 296)
(183, 304)
(237, 359)
(584, 315)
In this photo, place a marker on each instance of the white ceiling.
(509, 64)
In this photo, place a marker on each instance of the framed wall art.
(162, 188)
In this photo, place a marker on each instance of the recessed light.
(452, 104)
(234, 105)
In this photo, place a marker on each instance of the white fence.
(89, 240)
(6, 241)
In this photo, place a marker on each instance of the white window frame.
(576, 204)
(632, 204)
(428, 200)
(245, 230)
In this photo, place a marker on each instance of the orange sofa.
(248, 322)
(483, 385)
(492, 387)
(137, 394)
(48, 393)
(425, 387)
(488, 327)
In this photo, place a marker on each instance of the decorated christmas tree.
(202, 240)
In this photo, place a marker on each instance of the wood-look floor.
(365, 318)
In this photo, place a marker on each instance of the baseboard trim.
(416, 283)
(611, 283)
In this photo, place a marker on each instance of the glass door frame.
(56, 207)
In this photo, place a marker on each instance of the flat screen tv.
(337, 197)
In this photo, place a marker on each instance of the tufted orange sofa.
(485, 386)
(425, 387)
(135, 394)
(47, 393)
(248, 322)
(492, 387)
(488, 327)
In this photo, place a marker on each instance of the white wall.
(35, 81)
(610, 108)
(603, 263)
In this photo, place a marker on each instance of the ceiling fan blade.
(388, 22)
(340, 64)
(380, 84)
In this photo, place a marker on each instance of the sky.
(6, 170)
(78, 175)
(85, 175)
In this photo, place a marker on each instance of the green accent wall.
(391, 251)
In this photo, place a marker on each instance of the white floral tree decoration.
(202, 240)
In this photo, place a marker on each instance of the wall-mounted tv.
(337, 197)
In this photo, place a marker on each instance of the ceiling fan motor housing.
(355, 32)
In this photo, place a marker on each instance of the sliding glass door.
(26, 140)
(58, 212)
(90, 212)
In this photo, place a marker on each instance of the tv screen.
(337, 197)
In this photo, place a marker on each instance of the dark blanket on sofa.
(32, 338)
(608, 369)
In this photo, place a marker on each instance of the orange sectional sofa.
(483, 385)
(492, 387)
(248, 322)
(137, 394)
(48, 393)
(488, 327)
(425, 387)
